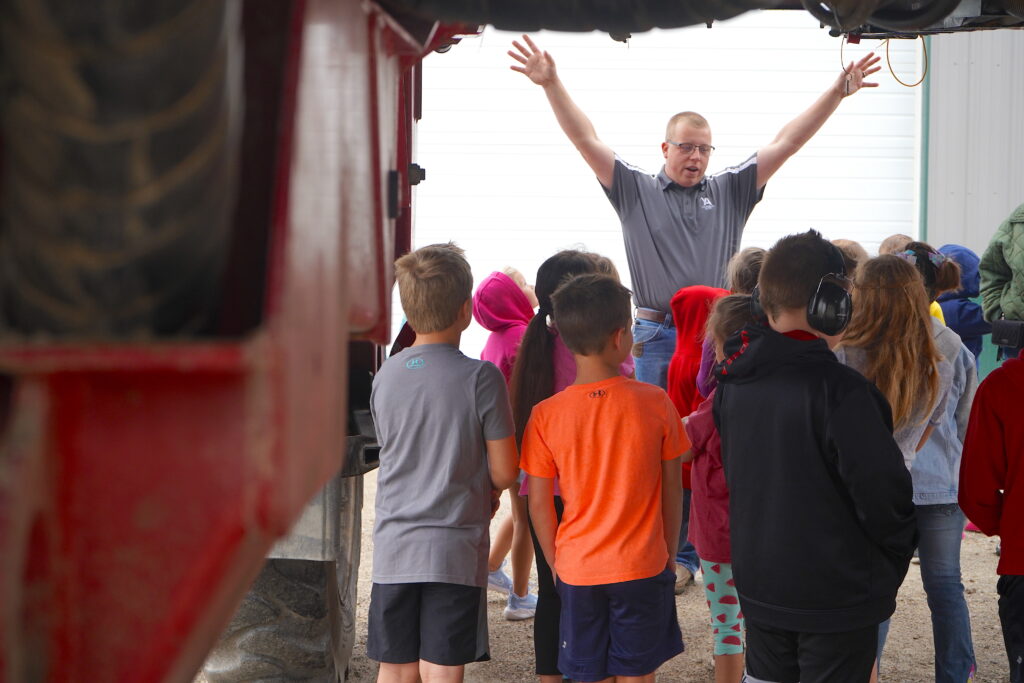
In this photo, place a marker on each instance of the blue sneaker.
(519, 608)
(498, 581)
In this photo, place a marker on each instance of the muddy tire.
(297, 623)
(120, 125)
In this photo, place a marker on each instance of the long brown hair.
(892, 326)
(533, 374)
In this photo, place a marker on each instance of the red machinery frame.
(141, 484)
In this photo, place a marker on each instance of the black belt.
(652, 315)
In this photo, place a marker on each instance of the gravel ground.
(908, 653)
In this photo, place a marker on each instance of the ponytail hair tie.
(936, 258)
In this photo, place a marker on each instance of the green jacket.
(1002, 271)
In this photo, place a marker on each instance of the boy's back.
(822, 523)
(434, 408)
(606, 441)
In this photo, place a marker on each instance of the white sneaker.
(498, 581)
(519, 608)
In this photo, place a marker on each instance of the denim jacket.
(936, 469)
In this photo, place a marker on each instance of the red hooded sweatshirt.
(992, 467)
(691, 307)
(500, 307)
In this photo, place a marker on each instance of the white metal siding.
(503, 181)
(976, 135)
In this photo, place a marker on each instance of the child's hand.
(671, 565)
(495, 501)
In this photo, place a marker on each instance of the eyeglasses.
(688, 147)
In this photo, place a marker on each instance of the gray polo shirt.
(681, 236)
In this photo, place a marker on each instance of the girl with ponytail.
(543, 367)
(940, 273)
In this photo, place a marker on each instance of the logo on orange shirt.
(597, 394)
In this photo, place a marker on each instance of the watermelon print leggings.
(726, 617)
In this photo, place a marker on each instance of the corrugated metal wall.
(975, 162)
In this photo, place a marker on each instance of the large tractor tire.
(297, 622)
(619, 18)
(120, 131)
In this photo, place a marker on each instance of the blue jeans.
(653, 346)
(687, 554)
(941, 528)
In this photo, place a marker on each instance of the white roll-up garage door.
(506, 185)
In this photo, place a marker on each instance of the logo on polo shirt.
(706, 204)
(414, 363)
(598, 394)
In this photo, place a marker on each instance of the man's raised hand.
(537, 64)
(852, 78)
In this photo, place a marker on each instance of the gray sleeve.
(492, 405)
(623, 194)
(742, 191)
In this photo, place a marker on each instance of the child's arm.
(984, 462)
(503, 460)
(688, 456)
(542, 515)
(672, 505)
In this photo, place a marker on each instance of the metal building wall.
(975, 136)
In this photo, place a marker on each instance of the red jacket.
(690, 309)
(709, 514)
(992, 467)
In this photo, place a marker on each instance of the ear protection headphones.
(829, 308)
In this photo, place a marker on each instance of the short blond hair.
(690, 117)
(434, 282)
(853, 255)
(894, 243)
(743, 269)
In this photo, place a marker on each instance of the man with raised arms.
(680, 226)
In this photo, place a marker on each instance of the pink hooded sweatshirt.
(502, 308)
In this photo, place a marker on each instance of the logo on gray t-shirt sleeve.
(415, 363)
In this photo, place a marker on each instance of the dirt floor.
(908, 653)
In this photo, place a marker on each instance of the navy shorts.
(618, 629)
(441, 623)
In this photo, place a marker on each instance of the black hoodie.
(820, 503)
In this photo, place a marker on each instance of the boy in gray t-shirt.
(447, 441)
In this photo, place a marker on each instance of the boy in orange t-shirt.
(615, 445)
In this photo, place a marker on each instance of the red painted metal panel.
(142, 484)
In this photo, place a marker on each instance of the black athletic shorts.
(778, 656)
(441, 623)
